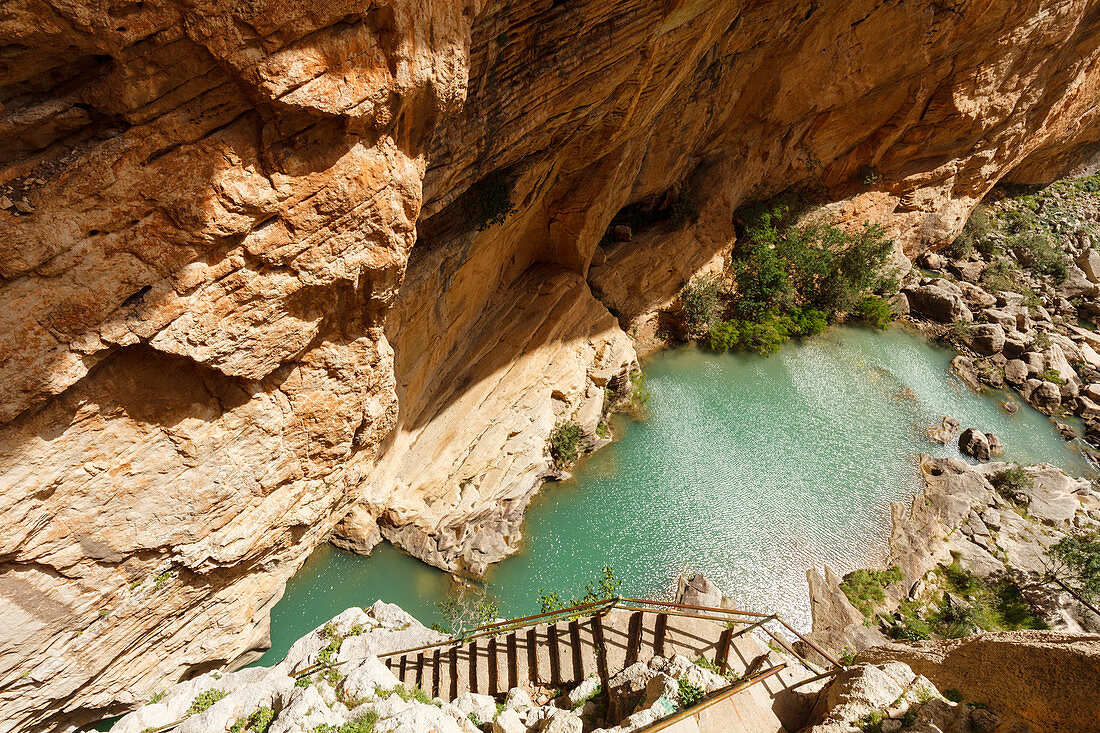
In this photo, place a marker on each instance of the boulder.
(1055, 358)
(932, 261)
(1022, 315)
(508, 721)
(1006, 320)
(1065, 431)
(1089, 262)
(480, 708)
(1010, 407)
(1077, 285)
(899, 304)
(946, 432)
(1035, 363)
(562, 722)
(940, 300)
(974, 443)
(1009, 298)
(1092, 391)
(987, 338)
(1046, 397)
(975, 296)
(699, 590)
(996, 447)
(1087, 408)
(1013, 348)
(968, 271)
(621, 233)
(965, 370)
(1015, 372)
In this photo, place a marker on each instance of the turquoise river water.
(749, 469)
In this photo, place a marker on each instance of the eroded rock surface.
(206, 215)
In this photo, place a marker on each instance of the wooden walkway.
(562, 653)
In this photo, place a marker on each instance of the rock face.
(215, 344)
(1052, 685)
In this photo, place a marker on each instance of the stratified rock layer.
(206, 217)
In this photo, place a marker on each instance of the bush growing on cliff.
(489, 202)
(689, 693)
(603, 588)
(1009, 482)
(783, 265)
(1077, 561)
(977, 233)
(565, 443)
(864, 588)
(768, 334)
(1036, 252)
(699, 299)
(203, 701)
(874, 310)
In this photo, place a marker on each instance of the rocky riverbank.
(969, 554)
(1015, 295)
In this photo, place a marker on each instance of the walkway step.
(546, 663)
(618, 628)
(562, 643)
(692, 637)
(431, 672)
(587, 646)
(498, 669)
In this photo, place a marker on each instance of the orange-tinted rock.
(205, 247)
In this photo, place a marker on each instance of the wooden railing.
(712, 699)
(753, 621)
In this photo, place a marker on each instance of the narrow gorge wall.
(243, 297)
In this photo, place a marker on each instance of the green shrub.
(603, 588)
(975, 235)
(565, 443)
(807, 322)
(1051, 375)
(864, 588)
(689, 693)
(1002, 274)
(362, 724)
(868, 175)
(872, 721)
(1036, 252)
(997, 606)
(874, 310)
(1077, 558)
(782, 265)
(258, 722)
(203, 701)
(1008, 481)
(684, 209)
(489, 202)
(699, 299)
(953, 695)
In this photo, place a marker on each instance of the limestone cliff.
(218, 340)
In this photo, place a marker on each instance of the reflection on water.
(750, 470)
